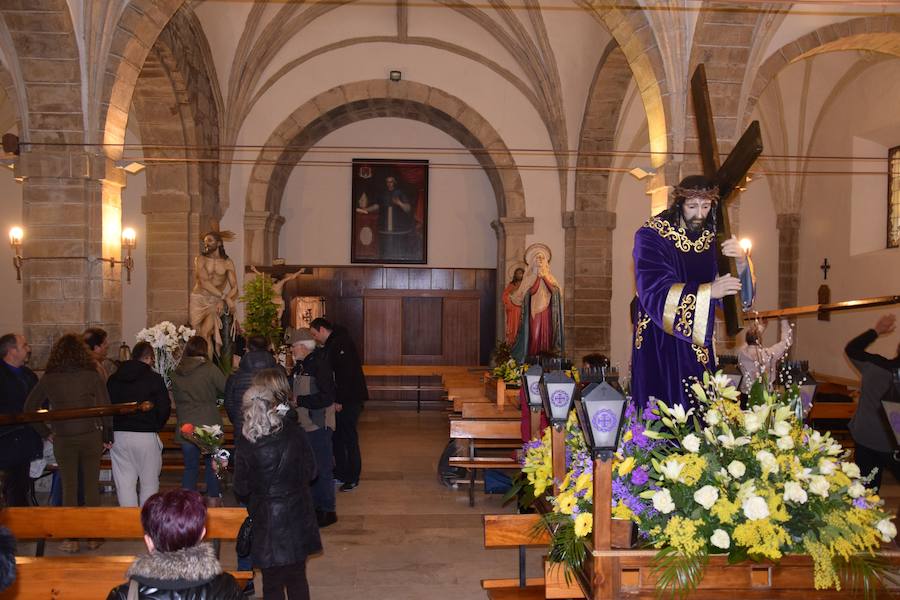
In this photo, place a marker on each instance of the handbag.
(243, 544)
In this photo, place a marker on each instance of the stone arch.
(874, 34)
(370, 99)
(636, 38)
(176, 107)
(589, 228)
(49, 99)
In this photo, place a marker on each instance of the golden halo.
(512, 269)
(533, 249)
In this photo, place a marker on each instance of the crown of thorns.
(704, 194)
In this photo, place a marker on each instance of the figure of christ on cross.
(678, 289)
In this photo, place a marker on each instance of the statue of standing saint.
(212, 306)
(538, 295)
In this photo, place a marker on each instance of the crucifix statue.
(727, 176)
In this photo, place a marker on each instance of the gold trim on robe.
(671, 304)
(702, 354)
(685, 315)
(679, 236)
(701, 315)
(643, 321)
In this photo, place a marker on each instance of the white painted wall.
(461, 203)
(134, 295)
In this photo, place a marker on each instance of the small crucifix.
(728, 175)
(825, 267)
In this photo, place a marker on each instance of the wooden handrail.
(76, 413)
(813, 309)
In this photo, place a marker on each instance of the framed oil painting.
(390, 211)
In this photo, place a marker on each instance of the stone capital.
(589, 218)
(514, 226)
(787, 221)
(69, 165)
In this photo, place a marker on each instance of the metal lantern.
(807, 387)
(531, 382)
(558, 393)
(601, 414)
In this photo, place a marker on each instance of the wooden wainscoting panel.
(422, 328)
(383, 327)
(461, 330)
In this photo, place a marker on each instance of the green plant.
(260, 312)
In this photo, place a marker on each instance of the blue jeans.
(323, 485)
(192, 471)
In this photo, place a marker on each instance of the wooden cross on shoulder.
(727, 175)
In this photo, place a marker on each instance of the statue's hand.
(231, 306)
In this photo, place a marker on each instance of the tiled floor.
(401, 534)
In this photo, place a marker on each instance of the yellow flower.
(584, 523)
(682, 534)
(565, 502)
(627, 436)
(694, 467)
(724, 510)
(626, 466)
(620, 511)
(761, 537)
(584, 481)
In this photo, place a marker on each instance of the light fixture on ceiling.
(640, 174)
(132, 167)
(395, 75)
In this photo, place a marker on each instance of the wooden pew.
(41, 577)
(514, 531)
(505, 433)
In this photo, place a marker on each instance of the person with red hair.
(179, 565)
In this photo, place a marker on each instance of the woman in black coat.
(273, 469)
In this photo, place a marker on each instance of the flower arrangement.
(509, 371)
(714, 478)
(209, 439)
(167, 341)
(756, 484)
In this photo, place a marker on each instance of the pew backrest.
(101, 522)
(485, 429)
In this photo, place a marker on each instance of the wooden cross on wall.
(727, 175)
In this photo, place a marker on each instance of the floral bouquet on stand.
(752, 483)
(510, 372)
(167, 341)
(209, 439)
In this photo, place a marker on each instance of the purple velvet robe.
(675, 313)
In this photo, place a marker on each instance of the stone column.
(588, 290)
(172, 243)
(788, 258)
(261, 231)
(511, 232)
(72, 213)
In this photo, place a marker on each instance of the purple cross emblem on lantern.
(604, 420)
(559, 398)
(535, 387)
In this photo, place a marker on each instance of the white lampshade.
(558, 391)
(531, 381)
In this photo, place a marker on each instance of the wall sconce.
(132, 167)
(395, 75)
(129, 242)
(15, 241)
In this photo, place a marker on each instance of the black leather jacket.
(188, 574)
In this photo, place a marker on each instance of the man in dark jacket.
(875, 442)
(313, 387)
(137, 450)
(19, 444)
(351, 394)
(256, 358)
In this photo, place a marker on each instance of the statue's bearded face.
(517, 275)
(210, 244)
(694, 212)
